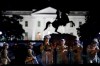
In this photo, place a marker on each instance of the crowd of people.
(55, 52)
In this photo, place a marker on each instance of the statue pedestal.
(57, 37)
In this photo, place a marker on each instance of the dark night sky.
(40, 4)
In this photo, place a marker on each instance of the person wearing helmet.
(47, 53)
(4, 54)
(92, 51)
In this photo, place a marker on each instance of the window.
(38, 36)
(26, 36)
(26, 33)
(26, 23)
(71, 23)
(71, 33)
(38, 23)
(80, 23)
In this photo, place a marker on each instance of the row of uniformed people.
(58, 52)
(92, 52)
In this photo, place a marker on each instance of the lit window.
(26, 36)
(38, 36)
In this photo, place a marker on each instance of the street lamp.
(0, 32)
(99, 32)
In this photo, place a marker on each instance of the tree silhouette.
(89, 30)
(10, 27)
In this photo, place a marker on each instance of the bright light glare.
(99, 32)
(0, 32)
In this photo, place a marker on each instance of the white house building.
(34, 23)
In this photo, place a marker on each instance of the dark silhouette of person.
(38, 53)
(20, 52)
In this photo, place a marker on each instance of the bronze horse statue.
(61, 20)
